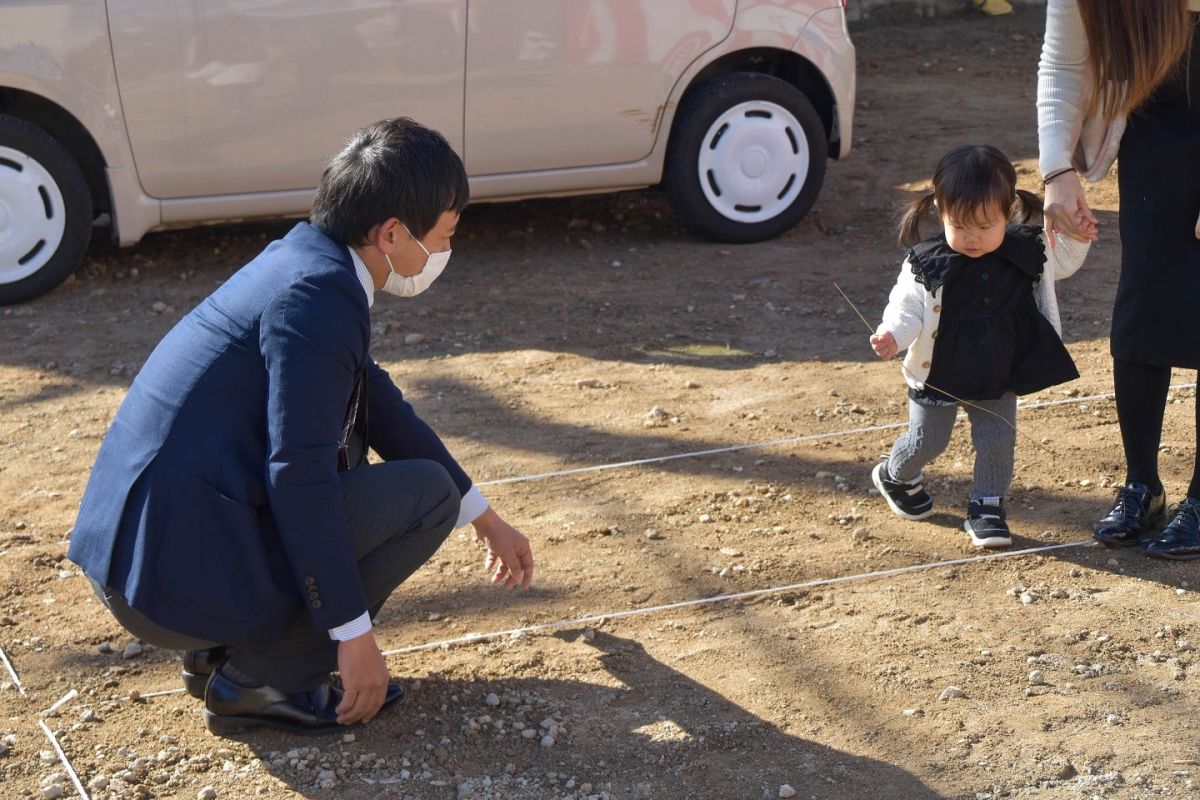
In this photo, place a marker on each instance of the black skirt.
(1154, 317)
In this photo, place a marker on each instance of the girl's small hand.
(1198, 227)
(884, 345)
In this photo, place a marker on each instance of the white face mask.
(412, 285)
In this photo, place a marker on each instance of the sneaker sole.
(986, 541)
(877, 479)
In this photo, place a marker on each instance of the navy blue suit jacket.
(215, 506)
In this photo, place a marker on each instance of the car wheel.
(45, 211)
(746, 158)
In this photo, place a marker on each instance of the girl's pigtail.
(910, 223)
(1031, 206)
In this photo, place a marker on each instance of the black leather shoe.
(198, 665)
(1134, 512)
(230, 708)
(1180, 540)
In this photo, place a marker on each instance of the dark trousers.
(1141, 403)
(400, 512)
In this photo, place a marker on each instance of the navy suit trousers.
(399, 513)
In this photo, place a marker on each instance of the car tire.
(45, 211)
(746, 158)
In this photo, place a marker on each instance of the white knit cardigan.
(913, 312)
(1066, 139)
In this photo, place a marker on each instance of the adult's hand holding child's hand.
(884, 345)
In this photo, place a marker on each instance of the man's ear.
(388, 235)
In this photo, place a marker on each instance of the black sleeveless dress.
(991, 338)
(1158, 296)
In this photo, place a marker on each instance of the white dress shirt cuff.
(473, 504)
(355, 627)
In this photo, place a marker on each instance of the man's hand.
(1067, 210)
(364, 677)
(884, 345)
(509, 558)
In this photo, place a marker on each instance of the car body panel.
(577, 83)
(216, 97)
(229, 97)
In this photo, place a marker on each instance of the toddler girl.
(975, 308)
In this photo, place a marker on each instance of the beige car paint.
(232, 137)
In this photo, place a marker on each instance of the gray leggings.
(928, 434)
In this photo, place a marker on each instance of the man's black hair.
(393, 168)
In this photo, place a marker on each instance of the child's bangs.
(968, 201)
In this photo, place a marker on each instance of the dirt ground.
(559, 327)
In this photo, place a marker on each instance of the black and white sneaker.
(908, 500)
(985, 523)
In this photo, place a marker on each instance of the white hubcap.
(32, 215)
(753, 161)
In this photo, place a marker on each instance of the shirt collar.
(364, 276)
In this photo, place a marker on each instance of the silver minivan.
(146, 114)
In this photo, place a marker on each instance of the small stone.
(159, 307)
(732, 552)
(547, 741)
(1028, 597)
(770, 354)
(528, 733)
(492, 699)
(104, 648)
(1036, 678)
(1112, 563)
(4, 750)
(207, 793)
(132, 650)
(786, 791)
(913, 712)
(348, 738)
(588, 383)
(651, 533)
(951, 693)
(53, 791)
(414, 338)
(861, 534)
(1058, 594)
(706, 518)
(1185, 645)
(687, 385)
(1113, 719)
(88, 716)
(135, 696)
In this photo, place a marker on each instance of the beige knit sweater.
(1065, 138)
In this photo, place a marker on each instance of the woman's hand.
(1067, 210)
(884, 345)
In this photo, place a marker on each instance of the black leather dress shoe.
(198, 665)
(1134, 512)
(230, 708)
(1180, 540)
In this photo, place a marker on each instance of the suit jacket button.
(933, 335)
(925, 365)
(937, 309)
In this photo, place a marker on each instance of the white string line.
(720, 598)
(11, 671)
(700, 601)
(777, 442)
(724, 598)
(66, 762)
